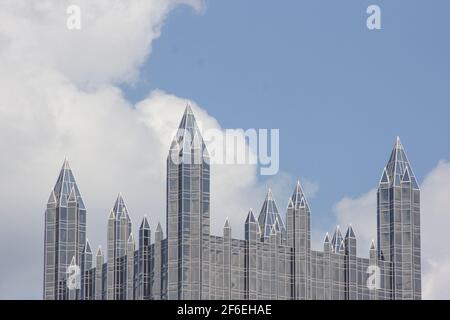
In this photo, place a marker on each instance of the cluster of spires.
(267, 227)
(269, 223)
(119, 213)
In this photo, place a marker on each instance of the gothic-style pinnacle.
(350, 233)
(99, 251)
(159, 228)
(227, 224)
(72, 195)
(144, 224)
(52, 198)
(87, 247)
(298, 196)
(250, 217)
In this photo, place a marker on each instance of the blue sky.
(338, 92)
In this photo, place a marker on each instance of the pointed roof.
(298, 196)
(120, 209)
(119, 206)
(273, 230)
(227, 224)
(87, 247)
(52, 198)
(72, 195)
(268, 216)
(350, 233)
(398, 165)
(250, 217)
(65, 184)
(342, 247)
(290, 204)
(131, 238)
(159, 228)
(372, 245)
(188, 136)
(384, 177)
(277, 225)
(144, 224)
(99, 251)
(406, 177)
(327, 238)
(337, 239)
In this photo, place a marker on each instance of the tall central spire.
(188, 181)
(398, 220)
(188, 138)
(398, 167)
(66, 185)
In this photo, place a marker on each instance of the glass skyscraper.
(65, 236)
(398, 225)
(273, 261)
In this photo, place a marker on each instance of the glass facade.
(398, 225)
(120, 266)
(188, 213)
(274, 261)
(65, 236)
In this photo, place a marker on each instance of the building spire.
(144, 224)
(65, 184)
(99, 252)
(159, 228)
(337, 239)
(298, 196)
(87, 247)
(350, 233)
(227, 224)
(188, 137)
(327, 238)
(372, 245)
(268, 216)
(120, 208)
(396, 167)
(250, 217)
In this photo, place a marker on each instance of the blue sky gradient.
(338, 92)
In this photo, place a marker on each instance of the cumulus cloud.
(114, 40)
(361, 213)
(59, 97)
(435, 221)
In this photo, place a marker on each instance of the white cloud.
(435, 221)
(58, 97)
(114, 40)
(361, 213)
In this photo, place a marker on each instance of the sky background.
(338, 92)
(109, 97)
